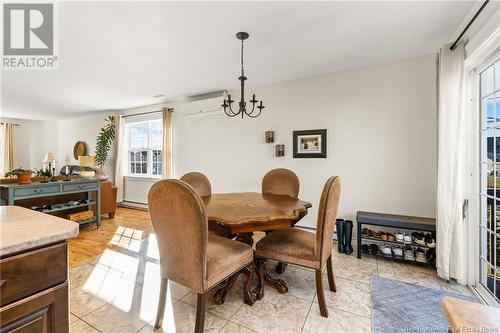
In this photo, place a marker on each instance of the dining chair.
(281, 181)
(199, 182)
(303, 248)
(190, 256)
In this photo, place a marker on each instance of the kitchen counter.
(22, 229)
(34, 294)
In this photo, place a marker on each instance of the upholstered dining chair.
(299, 247)
(281, 181)
(188, 254)
(199, 182)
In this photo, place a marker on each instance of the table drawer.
(25, 274)
(28, 191)
(79, 187)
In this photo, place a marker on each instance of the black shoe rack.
(398, 222)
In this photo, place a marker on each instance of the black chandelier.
(228, 110)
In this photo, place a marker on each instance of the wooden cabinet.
(34, 290)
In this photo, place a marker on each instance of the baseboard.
(133, 205)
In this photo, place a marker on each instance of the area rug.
(405, 307)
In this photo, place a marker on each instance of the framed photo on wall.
(309, 144)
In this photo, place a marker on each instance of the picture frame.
(309, 143)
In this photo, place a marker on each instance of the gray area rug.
(405, 307)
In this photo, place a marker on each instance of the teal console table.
(13, 192)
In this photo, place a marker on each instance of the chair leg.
(200, 313)
(161, 303)
(111, 215)
(331, 279)
(321, 294)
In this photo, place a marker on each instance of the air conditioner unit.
(204, 108)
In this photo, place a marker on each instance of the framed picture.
(309, 144)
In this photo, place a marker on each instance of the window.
(145, 141)
(489, 198)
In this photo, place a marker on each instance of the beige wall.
(381, 122)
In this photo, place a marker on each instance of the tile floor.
(117, 292)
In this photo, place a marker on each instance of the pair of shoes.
(409, 253)
(344, 235)
(431, 255)
(421, 255)
(418, 237)
(386, 250)
(365, 249)
(397, 251)
(403, 238)
(385, 236)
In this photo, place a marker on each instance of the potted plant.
(103, 144)
(87, 172)
(23, 175)
(44, 174)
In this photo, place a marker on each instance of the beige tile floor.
(117, 292)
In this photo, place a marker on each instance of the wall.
(82, 129)
(381, 122)
(33, 139)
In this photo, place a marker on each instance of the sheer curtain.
(451, 158)
(8, 149)
(120, 166)
(167, 143)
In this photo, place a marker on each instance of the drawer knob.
(82, 186)
(38, 190)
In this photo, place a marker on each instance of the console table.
(13, 192)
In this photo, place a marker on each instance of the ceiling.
(117, 55)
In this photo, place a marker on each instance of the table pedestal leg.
(220, 295)
(264, 276)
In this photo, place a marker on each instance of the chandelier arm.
(232, 113)
(253, 108)
(251, 116)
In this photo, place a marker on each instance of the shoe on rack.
(407, 238)
(383, 236)
(409, 253)
(386, 250)
(420, 255)
(429, 240)
(374, 249)
(418, 237)
(390, 237)
(397, 250)
(399, 237)
(365, 249)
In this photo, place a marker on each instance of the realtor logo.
(29, 36)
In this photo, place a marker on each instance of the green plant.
(43, 173)
(104, 140)
(86, 168)
(19, 171)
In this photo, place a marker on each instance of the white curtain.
(121, 166)
(451, 158)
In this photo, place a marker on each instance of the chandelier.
(228, 110)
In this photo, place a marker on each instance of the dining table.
(239, 215)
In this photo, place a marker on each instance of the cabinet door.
(45, 312)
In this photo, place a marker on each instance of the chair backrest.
(327, 213)
(281, 181)
(199, 182)
(180, 224)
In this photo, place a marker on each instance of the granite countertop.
(22, 229)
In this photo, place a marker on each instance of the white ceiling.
(116, 55)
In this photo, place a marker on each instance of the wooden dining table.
(239, 215)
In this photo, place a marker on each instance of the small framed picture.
(309, 144)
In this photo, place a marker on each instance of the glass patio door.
(489, 227)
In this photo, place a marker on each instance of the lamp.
(51, 162)
(86, 164)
